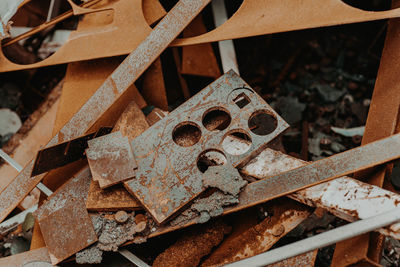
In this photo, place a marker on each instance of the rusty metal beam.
(115, 85)
(326, 169)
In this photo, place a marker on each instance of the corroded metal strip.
(323, 170)
(345, 197)
(115, 85)
(168, 176)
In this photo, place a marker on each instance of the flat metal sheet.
(67, 231)
(110, 199)
(62, 154)
(168, 177)
(111, 159)
(64, 221)
(39, 256)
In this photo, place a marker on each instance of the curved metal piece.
(127, 30)
(259, 17)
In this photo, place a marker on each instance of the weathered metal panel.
(168, 177)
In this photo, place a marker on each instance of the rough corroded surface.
(111, 159)
(90, 255)
(195, 244)
(225, 178)
(168, 177)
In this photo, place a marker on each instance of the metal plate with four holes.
(169, 154)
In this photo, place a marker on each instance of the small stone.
(278, 231)
(121, 216)
(140, 218)
(140, 227)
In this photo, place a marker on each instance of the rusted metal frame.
(322, 240)
(115, 85)
(260, 17)
(382, 121)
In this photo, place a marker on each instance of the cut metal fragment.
(64, 153)
(168, 176)
(111, 159)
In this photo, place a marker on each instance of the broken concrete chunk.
(91, 255)
(224, 177)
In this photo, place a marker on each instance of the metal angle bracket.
(168, 154)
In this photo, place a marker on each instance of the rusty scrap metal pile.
(114, 179)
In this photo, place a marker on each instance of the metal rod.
(133, 258)
(226, 48)
(18, 167)
(50, 12)
(16, 220)
(322, 240)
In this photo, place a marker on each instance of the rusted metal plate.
(122, 35)
(64, 221)
(167, 154)
(154, 90)
(284, 216)
(110, 199)
(115, 149)
(199, 59)
(259, 17)
(37, 257)
(64, 153)
(112, 89)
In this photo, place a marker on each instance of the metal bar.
(320, 171)
(133, 258)
(226, 48)
(322, 240)
(18, 167)
(50, 12)
(116, 84)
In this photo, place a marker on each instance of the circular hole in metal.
(216, 119)
(262, 122)
(186, 134)
(236, 142)
(210, 157)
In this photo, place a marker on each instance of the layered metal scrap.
(209, 157)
